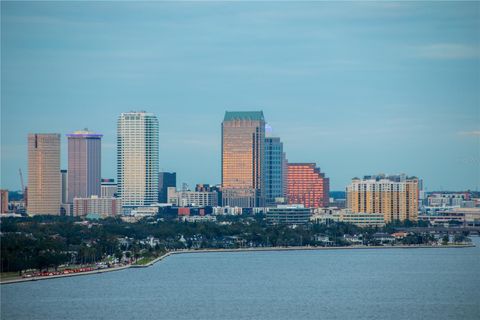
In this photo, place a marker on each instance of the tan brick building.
(396, 197)
(44, 178)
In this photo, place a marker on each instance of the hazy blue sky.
(358, 88)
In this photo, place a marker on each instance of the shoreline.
(258, 249)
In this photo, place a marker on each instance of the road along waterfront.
(254, 249)
(266, 284)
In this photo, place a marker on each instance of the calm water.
(343, 284)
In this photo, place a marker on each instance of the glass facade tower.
(274, 171)
(165, 180)
(243, 156)
(137, 159)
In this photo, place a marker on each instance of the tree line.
(43, 242)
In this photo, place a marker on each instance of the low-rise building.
(354, 240)
(198, 218)
(441, 199)
(192, 198)
(324, 240)
(145, 211)
(471, 216)
(363, 219)
(332, 215)
(229, 211)
(326, 215)
(18, 206)
(288, 214)
(108, 188)
(105, 207)
(443, 218)
(383, 238)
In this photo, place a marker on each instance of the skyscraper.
(307, 185)
(165, 180)
(84, 164)
(396, 197)
(243, 156)
(137, 158)
(274, 170)
(44, 180)
(64, 179)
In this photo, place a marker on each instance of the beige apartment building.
(44, 178)
(396, 197)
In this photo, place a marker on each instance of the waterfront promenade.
(255, 249)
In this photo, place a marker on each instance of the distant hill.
(15, 196)
(337, 194)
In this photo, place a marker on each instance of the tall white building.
(137, 159)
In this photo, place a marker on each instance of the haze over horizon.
(359, 88)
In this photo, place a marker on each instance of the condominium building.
(3, 201)
(307, 185)
(333, 214)
(137, 159)
(84, 164)
(363, 219)
(44, 179)
(274, 171)
(192, 198)
(396, 197)
(243, 156)
(108, 188)
(288, 214)
(210, 188)
(105, 207)
(442, 199)
(165, 180)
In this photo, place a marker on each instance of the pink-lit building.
(307, 185)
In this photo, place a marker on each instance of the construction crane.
(21, 181)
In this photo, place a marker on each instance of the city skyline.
(396, 96)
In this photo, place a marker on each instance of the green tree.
(445, 239)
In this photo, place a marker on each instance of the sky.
(357, 87)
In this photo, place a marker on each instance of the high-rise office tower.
(243, 156)
(64, 179)
(396, 197)
(137, 159)
(84, 164)
(165, 180)
(307, 185)
(274, 171)
(44, 180)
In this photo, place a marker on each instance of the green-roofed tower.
(243, 154)
(244, 115)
